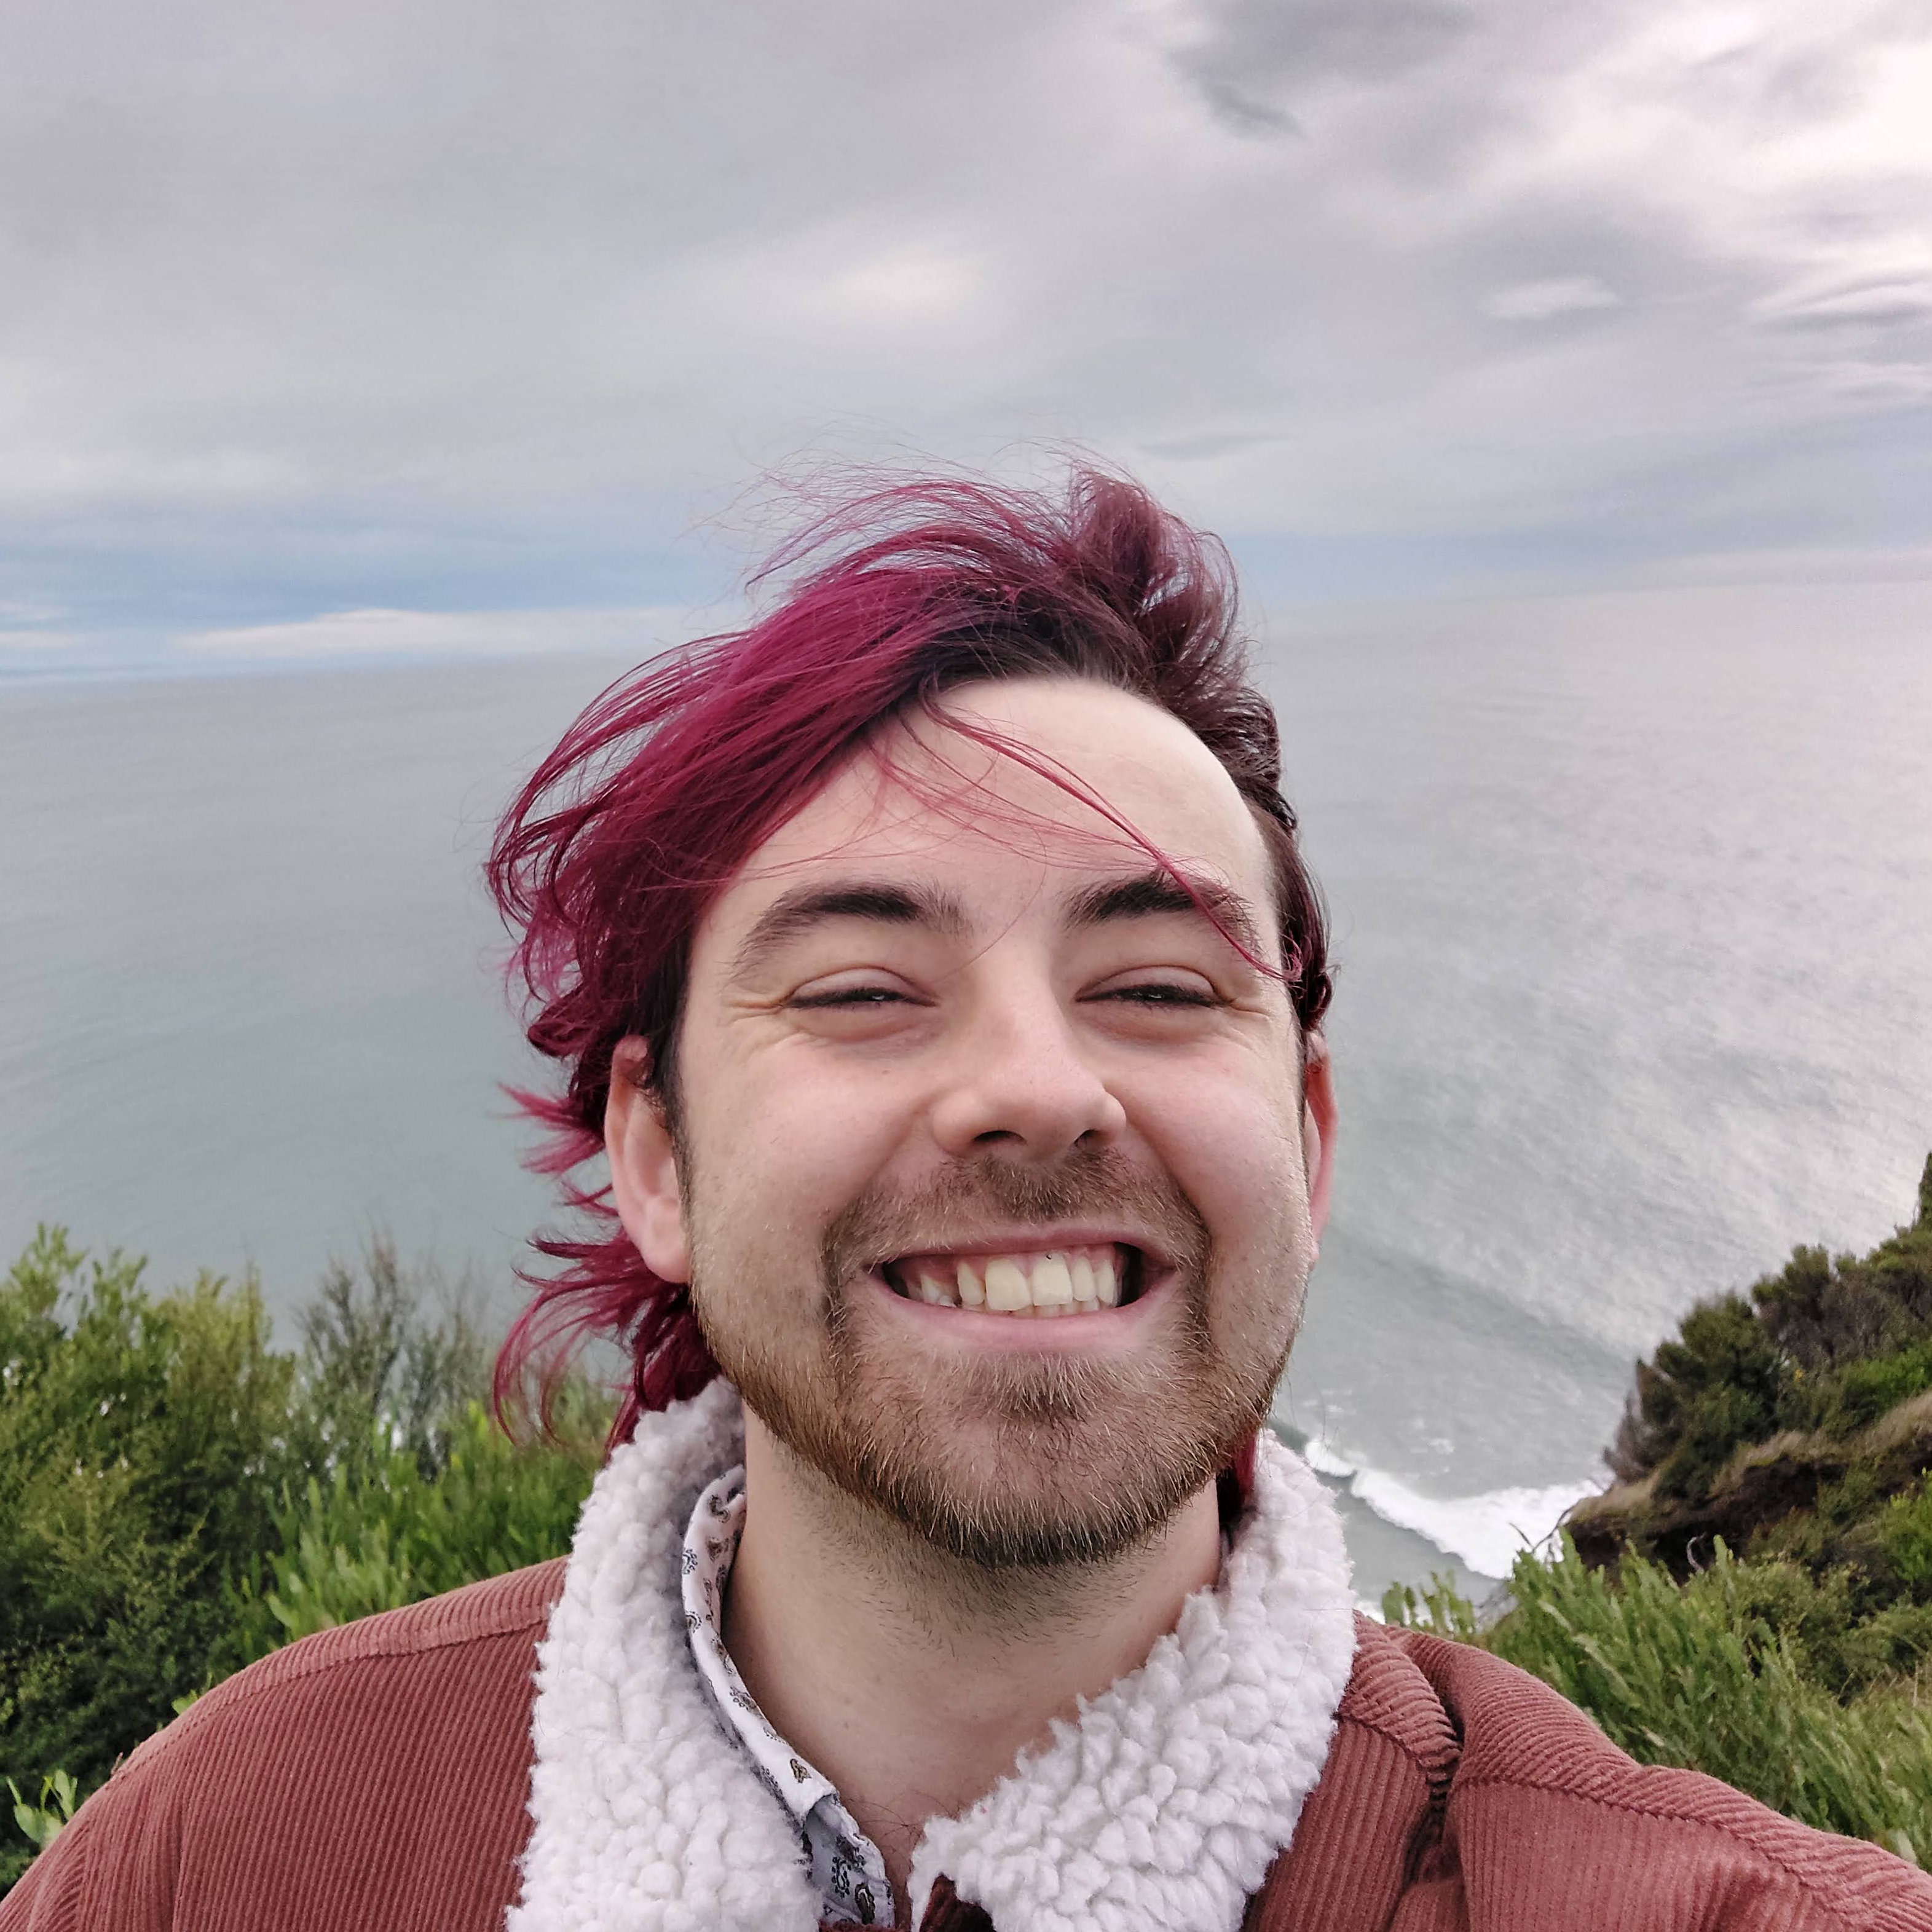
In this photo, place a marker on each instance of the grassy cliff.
(1752, 1597)
(1794, 1422)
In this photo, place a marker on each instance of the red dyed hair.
(659, 792)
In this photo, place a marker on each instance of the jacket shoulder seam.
(1430, 1770)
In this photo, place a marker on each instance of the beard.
(1008, 1462)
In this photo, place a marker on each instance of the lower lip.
(974, 1328)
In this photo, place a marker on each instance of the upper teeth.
(1050, 1281)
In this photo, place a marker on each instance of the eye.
(858, 989)
(1188, 991)
(849, 996)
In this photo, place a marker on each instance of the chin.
(1018, 1464)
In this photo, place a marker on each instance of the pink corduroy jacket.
(375, 1779)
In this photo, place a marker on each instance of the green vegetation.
(1749, 1671)
(1795, 1425)
(41, 1822)
(1825, 1348)
(387, 1535)
(178, 1497)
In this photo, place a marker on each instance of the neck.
(911, 1679)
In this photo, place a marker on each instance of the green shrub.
(1825, 1312)
(1721, 1676)
(40, 1820)
(379, 1535)
(1905, 1535)
(1439, 1610)
(142, 1440)
(1847, 1636)
(1720, 1383)
(388, 1355)
(177, 1497)
(1803, 1352)
(1861, 1392)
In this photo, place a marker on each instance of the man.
(935, 964)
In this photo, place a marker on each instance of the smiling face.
(997, 1176)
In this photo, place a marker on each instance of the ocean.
(1632, 904)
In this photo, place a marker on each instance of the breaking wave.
(1484, 1532)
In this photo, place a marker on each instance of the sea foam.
(1485, 1532)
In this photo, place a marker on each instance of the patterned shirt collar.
(847, 1868)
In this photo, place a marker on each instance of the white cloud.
(445, 633)
(909, 283)
(1797, 565)
(1905, 297)
(464, 305)
(1540, 301)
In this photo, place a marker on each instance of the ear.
(644, 1180)
(1317, 1130)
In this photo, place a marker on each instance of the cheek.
(776, 1160)
(1234, 1147)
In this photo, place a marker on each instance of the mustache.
(1100, 1184)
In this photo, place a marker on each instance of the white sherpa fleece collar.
(1161, 1806)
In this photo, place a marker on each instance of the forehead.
(930, 800)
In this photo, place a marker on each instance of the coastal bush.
(1862, 1391)
(378, 1534)
(1720, 1383)
(1722, 1674)
(143, 1440)
(1822, 1312)
(1905, 1535)
(390, 1357)
(177, 1497)
(1795, 1422)
(44, 1817)
(1827, 1344)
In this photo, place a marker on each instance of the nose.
(1021, 1083)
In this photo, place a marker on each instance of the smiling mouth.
(1038, 1283)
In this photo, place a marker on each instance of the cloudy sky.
(422, 327)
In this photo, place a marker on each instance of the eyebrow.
(1151, 894)
(1155, 892)
(882, 901)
